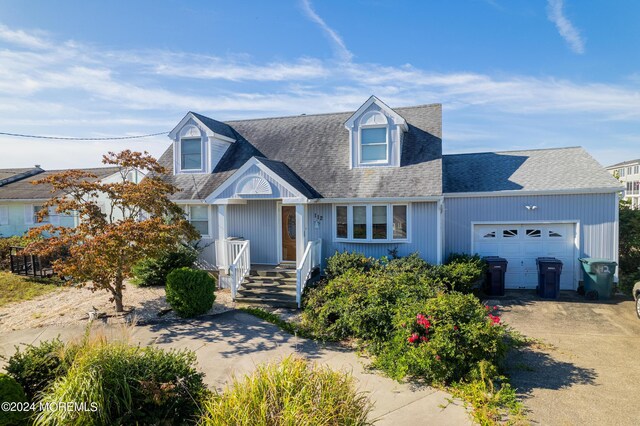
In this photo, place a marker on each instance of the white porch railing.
(311, 259)
(239, 254)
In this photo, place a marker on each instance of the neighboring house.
(297, 189)
(20, 199)
(629, 174)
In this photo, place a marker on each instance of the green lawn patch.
(15, 288)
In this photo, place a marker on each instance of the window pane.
(191, 155)
(374, 153)
(199, 213)
(378, 135)
(36, 210)
(379, 214)
(202, 226)
(341, 222)
(400, 222)
(359, 222)
(199, 218)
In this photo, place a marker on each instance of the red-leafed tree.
(138, 220)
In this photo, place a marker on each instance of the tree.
(629, 248)
(138, 221)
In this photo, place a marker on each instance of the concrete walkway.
(234, 342)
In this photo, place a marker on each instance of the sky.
(510, 74)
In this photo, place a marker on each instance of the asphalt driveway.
(589, 375)
(234, 342)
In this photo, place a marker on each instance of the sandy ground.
(71, 306)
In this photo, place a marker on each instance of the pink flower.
(438, 357)
(487, 308)
(404, 324)
(495, 308)
(494, 319)
(413, 338)
(455, 327)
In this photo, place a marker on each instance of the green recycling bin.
(598, 277)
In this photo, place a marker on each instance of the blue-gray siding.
(596, 214)
(423, 233)
(257, 222)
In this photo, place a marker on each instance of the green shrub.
(154, 271)
(340, 263)
(292, 392)
(362, 305)
(462, 272)
(443, 340)
(36, 367)
(627, 281)
(11, 391)
(190, 291)
(412, 263)
(124, 384)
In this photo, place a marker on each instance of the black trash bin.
(494, 280)
(549, 270)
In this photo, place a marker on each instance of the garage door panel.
(521, 244)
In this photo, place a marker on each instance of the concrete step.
(268, 291)
(277, 287)
(267, 300)
(273, 273)
(271, 280)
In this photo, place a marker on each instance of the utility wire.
(20, 135)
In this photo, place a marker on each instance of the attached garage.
(522, 243)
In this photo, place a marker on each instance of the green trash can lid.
(594, 260)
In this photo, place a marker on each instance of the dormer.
(199, 143)
(375, 135)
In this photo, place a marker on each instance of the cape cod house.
(291, 191)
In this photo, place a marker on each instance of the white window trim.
(188, 213)
(369, 219)
(202, 156)
(361, 162)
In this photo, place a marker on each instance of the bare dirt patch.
(70, 305)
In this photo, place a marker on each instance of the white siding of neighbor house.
(596, 214)
(17, 222)
(423, 233)
(277, 190)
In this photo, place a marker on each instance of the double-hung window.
(191, 154)
(199, 217)
(374, 145)
(371, 222)
(36, 211)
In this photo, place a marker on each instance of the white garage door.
(521, 244)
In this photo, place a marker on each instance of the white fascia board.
(378, 200)
(189, 202)
(515, 193)
(228, 201)
(253, 161)
(397, 118)
(23, 200)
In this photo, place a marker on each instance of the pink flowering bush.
(443, 339)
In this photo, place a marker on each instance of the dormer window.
(191, 154)
(374, 145)
(375, 135)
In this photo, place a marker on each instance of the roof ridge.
(320, 114)
(514, 150)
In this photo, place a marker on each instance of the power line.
(20, 135)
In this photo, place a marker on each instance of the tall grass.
(125, 384)
(292, 392)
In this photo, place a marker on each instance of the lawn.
(14, 288)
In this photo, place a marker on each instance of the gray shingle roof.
(215, 126)
(8, 176)
(24, 189)
(624, 163)
(532, 170)
(315, 148)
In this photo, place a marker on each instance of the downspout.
(616, 239)
(440, 231)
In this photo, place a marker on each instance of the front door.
(288, 233)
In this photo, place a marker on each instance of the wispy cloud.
(73, 89)
(571, 35)
(339, 45)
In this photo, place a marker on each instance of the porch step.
(280, 271)
(257, 279)
(269, 286)
(266, 301)
(268, 292)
